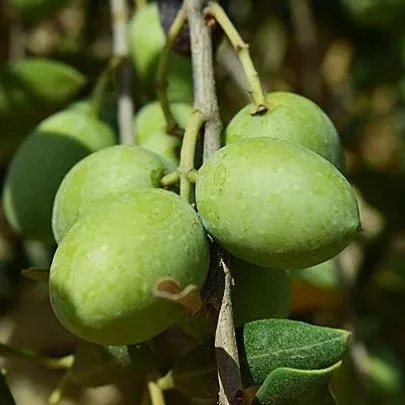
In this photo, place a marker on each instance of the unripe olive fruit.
(105, 269)
(107, 114)
(106, 173)
(149, 129)
(40, 164)
(146, 40)
(291, 118)
(259, 293)
(276, 204)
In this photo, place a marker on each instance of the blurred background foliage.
(348, 56)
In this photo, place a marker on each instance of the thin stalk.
(53, 363)
(101, 85)
(187, 153)
(170, 179)
(119, 17)
(230, 383)
(155, 393)
(60, 390)
(205, 98)
(162, 72)
(242, 49)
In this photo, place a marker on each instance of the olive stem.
(166, 382)
(170, 179)
(172, 128)
(53, 363)
(242, 49)
(231, 390)
(57, 394)
(155, 393)
(119, 17)
(101, 85)
(187, 152)
(203, 75)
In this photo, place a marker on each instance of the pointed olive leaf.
(196, 374)
(36, 274)
(30, 90)
(287, 386)
(6, 398)
(49, 80)
(96, 365)
(266, 345)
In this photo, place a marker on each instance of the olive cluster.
(273, 196)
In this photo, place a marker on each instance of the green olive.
(150, 130)
(40, 165)
(276, 204)
(105, 269)
(259, 293)
(291, 118)
(103, 174)
(147, 39)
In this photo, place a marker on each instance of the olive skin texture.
(291, 118)
(104, 271)
(149, 128)
(276, 204)
(106, 173)
(40, 165)
(146, 41)
(259, 293)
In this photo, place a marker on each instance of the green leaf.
(6, 398)
(196, 374)
(266, 345)
(287, 386)
(96, 365)
(30, 90)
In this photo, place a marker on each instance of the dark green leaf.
(30, 90)
(96, 365)
(196, 374)
(6, 397)
(266, 345)
(287, 386)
